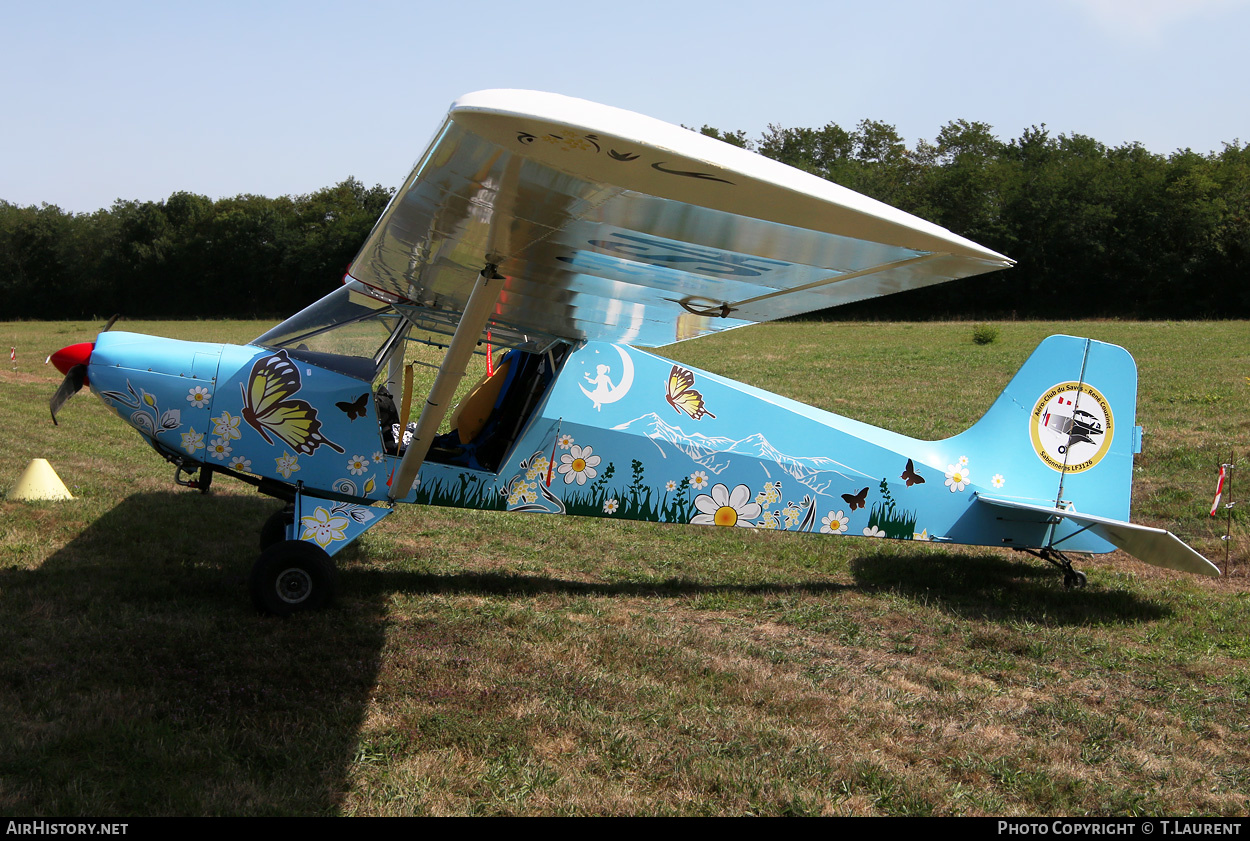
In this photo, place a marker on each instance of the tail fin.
(1062, 434)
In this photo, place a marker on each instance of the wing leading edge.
(612, 226)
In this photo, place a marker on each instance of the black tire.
(274, 529)
(292, 576)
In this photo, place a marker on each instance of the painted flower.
(287, 464)
(357, 465)
(192, 441)
(998, 480)
(148, 398)
(722, 507)
(835, 523)
(771, 493)
(227, 426)
(792, 514)
(219, 448)
(243, 465)
(610, 506)
(323, 528)
(670, 486)
(957, 477)
(579, 464)
(198, 396)
(772, 519)
(565, 441)
(963, 461)
(873, 531)
(378, 458)
(698, 480)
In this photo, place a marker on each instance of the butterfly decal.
(267, 406)
(356, 408)
(910, 474)
(856, 500)
(682, 397)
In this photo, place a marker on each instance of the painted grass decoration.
(486, 663)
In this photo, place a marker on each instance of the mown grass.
(481, 663)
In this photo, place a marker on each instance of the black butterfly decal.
(910, 474)
(356, 408)
(267, 406)
(856, 500)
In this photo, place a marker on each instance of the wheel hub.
(294, 585)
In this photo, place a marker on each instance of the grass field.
(481, 663)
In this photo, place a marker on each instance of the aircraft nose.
(68, 357)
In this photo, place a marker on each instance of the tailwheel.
(1071, 577)
(292, 576)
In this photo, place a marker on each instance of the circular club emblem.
(1071, 427)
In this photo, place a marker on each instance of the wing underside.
(610, 226)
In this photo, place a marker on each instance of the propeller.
(72, 361)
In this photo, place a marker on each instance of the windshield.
(348, 331)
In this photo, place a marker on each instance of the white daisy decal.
(198, 396)
(192, 441)
(243, 465)
(566, 441)
(610, 506)
(322, 528)
(357, 465)
(722, 507)
(873, 531)
(219, 448)
(963, 461)
(287, 464)
(378, 458)
(579, 464)
(835, 523)
(670, 486)
(227, 426)
(698, 480)
(998, 480)
(957, 477)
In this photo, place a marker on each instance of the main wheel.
(274, 529)
(292, 576)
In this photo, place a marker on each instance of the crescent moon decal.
(605, 391)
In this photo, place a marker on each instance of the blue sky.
(138, 100)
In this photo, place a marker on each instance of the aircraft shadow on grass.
(137, 683)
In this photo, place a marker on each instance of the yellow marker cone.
(39, 481)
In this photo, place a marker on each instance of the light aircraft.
(571, 234)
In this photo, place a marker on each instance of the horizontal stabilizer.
(1153, 546)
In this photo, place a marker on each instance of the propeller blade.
(112, 321)
(70, 386)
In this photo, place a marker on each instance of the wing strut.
(477, 311)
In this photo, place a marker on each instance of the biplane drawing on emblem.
(572, 236)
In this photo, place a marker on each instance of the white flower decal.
(963, 461)
(378, 458)
(566, 441)
(998, 480)
(698, 480)
(579, 464)
(873, 531)
(957, 477)
(723, 508)
(243, 465)
(192, 441)
(287, 464)
(610, 506)
(670, 486)
(198, 396)
(227, 426)
(219, 448)
(357, 465)
(322, 528)
(835, 523)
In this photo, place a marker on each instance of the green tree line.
(1095, 230)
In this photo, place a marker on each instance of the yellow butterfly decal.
(682, 397)
(267, 406)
